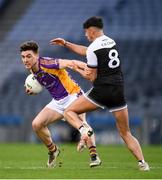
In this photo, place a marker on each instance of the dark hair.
(93, 21)
(29, 45)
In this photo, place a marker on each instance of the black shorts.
(111, 96)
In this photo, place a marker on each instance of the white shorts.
(62, 104)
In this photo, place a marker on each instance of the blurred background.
(136, 25)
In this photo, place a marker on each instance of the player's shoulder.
(101, 42)
(47, 61)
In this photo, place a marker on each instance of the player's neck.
(98, 34)
(35, 67)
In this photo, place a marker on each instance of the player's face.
(89, 33)
(29, 58)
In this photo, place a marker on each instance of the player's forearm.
(78, 49)
(80, 64)
(66, 63)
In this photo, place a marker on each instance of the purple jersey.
(56, 81)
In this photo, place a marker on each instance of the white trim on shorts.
(118, 108)
(101, 106)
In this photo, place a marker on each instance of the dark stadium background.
(136, 25)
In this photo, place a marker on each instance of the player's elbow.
(83, 53)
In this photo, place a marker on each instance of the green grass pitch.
(28, 161)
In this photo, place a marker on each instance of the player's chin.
(27, 67)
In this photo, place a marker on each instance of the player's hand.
(87, 71)
(29, 91)
(58, 41)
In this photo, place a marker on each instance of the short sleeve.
(91, 59)
(50, 63)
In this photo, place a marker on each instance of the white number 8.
(114, 60)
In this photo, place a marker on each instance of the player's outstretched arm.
(78, 49)
(66, 63)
